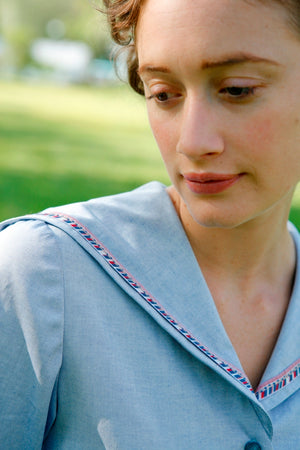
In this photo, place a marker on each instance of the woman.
(174, 323)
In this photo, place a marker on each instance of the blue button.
(252, 445)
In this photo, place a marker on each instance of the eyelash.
(231, 93)
(244, 92)
(156, 97)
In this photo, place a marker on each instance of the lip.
(210, 183)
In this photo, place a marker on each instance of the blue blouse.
(110, 338)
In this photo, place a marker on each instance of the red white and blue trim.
(272, 386)
(265, 390)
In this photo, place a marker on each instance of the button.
(252, 445)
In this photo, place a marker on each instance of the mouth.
(210, 183)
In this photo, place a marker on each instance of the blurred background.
(70, 130)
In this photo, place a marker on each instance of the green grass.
(67, 144)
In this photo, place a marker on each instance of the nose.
(200, 134)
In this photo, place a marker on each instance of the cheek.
(274, 145)
(261, 134)
(163, 132)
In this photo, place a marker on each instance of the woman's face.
(222, 82)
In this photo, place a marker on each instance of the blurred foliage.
(22, 21)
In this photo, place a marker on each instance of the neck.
(249, 258)
(244, 250)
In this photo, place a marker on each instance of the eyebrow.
(240, 58)
(153, 69)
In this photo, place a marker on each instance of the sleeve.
(31, 332)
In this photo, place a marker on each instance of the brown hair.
(123, 16)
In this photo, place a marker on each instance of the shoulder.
(124, 219)
(25, 243)
(24, 236)
(131, 226)
(31, 273)
(141, 202)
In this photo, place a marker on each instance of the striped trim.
(125, 275)
(272, 386)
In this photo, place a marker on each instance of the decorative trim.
(121, 271)
(272, 386)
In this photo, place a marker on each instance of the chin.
(219, 220)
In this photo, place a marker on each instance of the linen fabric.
(110, 338)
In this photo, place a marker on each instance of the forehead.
(215, 6)
(209, 27)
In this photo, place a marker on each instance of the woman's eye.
(236, 92)
(162, 97)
